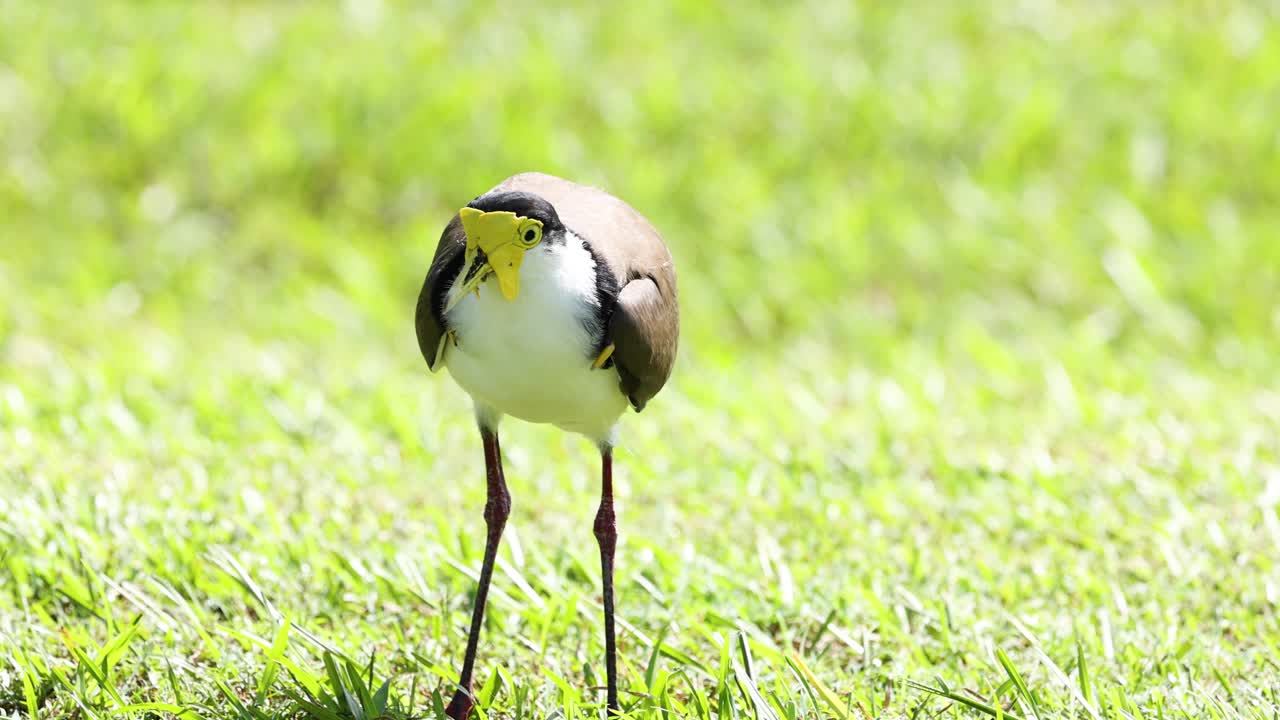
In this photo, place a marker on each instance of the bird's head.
(500, 228)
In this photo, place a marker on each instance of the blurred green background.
(980, 305)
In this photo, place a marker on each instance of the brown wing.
(645, 330)
(645, 325)
(445, 266)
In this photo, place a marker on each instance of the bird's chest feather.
(531, 357)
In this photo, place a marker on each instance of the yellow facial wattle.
(503, 238)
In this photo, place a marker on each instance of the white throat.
(531, 357)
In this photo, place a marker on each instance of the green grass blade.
(815, 685)
(1018, 682)
(993, 711)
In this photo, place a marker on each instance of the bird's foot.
(460, 706)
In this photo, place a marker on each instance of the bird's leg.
(606, 531)
(496, 510)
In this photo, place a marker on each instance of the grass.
(975, 415)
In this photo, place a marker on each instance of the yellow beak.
(492, 246)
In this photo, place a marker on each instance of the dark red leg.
(496, 510)
(606, 531)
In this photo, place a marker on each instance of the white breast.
(531, 357)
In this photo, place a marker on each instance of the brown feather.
(445, 266)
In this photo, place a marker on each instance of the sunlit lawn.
(976, 412)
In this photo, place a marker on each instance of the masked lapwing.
(551, 302)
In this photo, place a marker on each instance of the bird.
(553, 303)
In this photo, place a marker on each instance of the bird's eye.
(530, 232)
